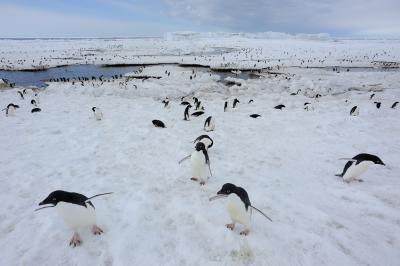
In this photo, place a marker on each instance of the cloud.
(348, 17)
(31, 22)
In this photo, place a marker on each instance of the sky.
(132, 18)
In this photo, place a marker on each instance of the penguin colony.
(78, 211)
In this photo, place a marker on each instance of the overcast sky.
(111, 18)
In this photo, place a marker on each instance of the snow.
(286, 160)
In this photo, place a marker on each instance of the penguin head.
(200, 146)
(94, 109)
(368, 157)
(54, 198)
(377, 160)
(227, 189)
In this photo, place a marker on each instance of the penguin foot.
(230, 226)
(97, 230)
(202, 183)
(76, 240)
(194, 179)
(245, 232)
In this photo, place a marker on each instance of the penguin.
(76, 210)
(238, 206)
(195, 100)
(372, 96)
(33, 102)
(21, 95)
(10, 109)
(295, 93)
(280, 106)
(198, 106)
(308, 106)
(98, 115)
(186, 113)
(209, 124)
(158, 123)
(200, 163)
(225, 106)
(198, 113)
(250, 101)
(235, 102)
(208, 142)
(394, 105)
(378, 104)
(358, 165)
(36, 110)
(255, 115)
(185, 103)
(166, 103)
(355, 111)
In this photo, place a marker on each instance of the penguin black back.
(208, 121)
(158, 123)
(378, 104)
(353, 109)
(394, 105)
(186, 113)
(36, 110)
(280, 106)
(201, 147)
(225, 106)
(254, 115)
(235, 101)
(198, 113)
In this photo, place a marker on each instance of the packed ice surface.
(286, 160)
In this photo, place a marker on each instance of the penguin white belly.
(98, 115)
(211, 125)
(76, 216)
(356, 170)
(237, 210)
(199, 166)
(11, 111)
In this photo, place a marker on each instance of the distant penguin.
(33, 102)
(186, 113)
(255, 115)
(235, 102)
(185, 103)
(21, 95)
(238, 206)
(378, 104)
(166, 103)
(308, 106)
(208, 142)
(10, 109)
(209, 124)
(250, 101)
(280, 106)
(36, 110)
(358, 165)
(198, 106)
(226, 106)
(76, 210)
(98, 115)
(394, 105)
(372, 96)
(158, 123)
(200, 163)
(195, 100)
(355, 111)
(295, 93)
(198, 113)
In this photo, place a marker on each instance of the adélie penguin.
(76, 210)
(358, 165)
(209, 124)
(238, 206)
(200, 163)
(98, 115)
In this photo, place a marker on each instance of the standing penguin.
(33, 102)
(235, 102)
(209, 124)
(208, 142)
(98, 115)
(21, 95)
(358, 165)
(186, 113)
(76, 210)
(10, 109)
(200, 163)
(238, 206)
(355, 111)
(378, 104)
(166, 103)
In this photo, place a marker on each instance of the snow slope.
(286, 160)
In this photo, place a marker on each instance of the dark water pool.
(37, 78)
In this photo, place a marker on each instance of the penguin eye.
(228, 191)
(54, 199)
